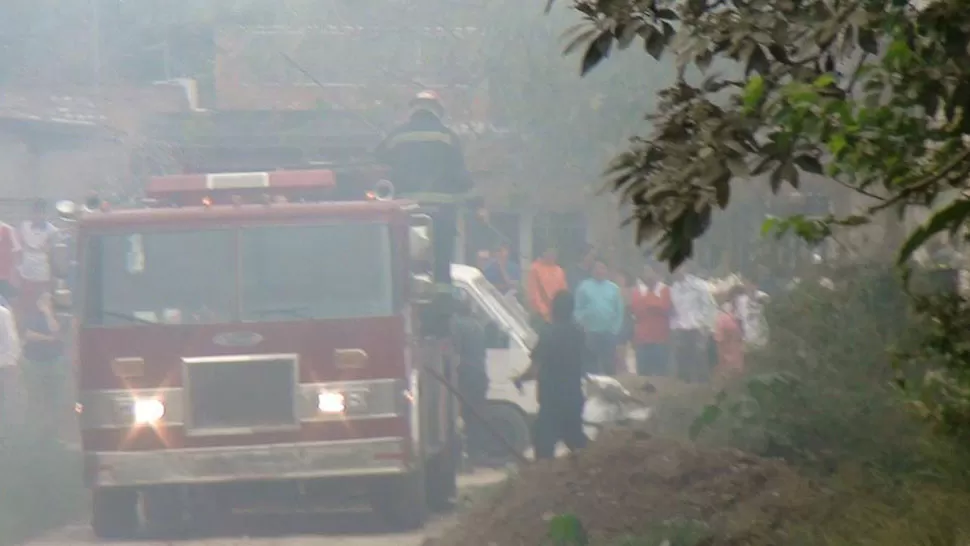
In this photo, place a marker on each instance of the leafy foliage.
(872, 94)
(567, 530)
(821, 394)
(935, 371)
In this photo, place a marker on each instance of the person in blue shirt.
(600, 310)
(503, 272)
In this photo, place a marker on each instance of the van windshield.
(508, 309)
(258, 274)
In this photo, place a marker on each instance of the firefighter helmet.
(428, 100)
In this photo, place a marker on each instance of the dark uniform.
(557, 367)
(427, 164)
(468, 340)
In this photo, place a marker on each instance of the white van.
(510, 339)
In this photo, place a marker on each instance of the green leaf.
(867, 41)
(952, 215)
(567, 530)
(757, 61)
(809, 164)
(722, 190)
(786, 172)
(709, 415)
(754, 90)
(824, 80)
(580, 39)
(598, 50)
(655, 42)
(769, 225)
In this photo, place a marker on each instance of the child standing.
(729, 337)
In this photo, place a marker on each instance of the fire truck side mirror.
(422, 289)
(420, 243)
(66, 210)
(60, 261)
(61, 296)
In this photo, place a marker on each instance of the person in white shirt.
(37, 236)
(11, 383)
(749, 307)
(691, 324)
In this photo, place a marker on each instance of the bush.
(822, 394)
(40, 487)
(934, 371)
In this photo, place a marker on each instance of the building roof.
(221, 216)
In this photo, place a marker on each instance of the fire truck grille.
(230, 396)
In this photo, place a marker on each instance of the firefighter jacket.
(425, 157)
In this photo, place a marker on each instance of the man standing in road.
(468, 342)
(11, 381)
(600, 310)
(582, 270)
(651, 307)
(557, 367)
(694, 313)
(502, 271)
(37, 237)
(545, 280)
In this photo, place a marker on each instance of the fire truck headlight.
(148, 411)
(331, 402)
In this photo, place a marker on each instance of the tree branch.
(926, 183)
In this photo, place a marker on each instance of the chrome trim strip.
(375, 399)
(367, 457)
(192, 431)
(110, 409)
(385, 399)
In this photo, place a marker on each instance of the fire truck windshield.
(249, 274)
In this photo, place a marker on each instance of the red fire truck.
(246, 336)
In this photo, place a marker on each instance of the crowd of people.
(590, 318)
(678, 324)
(34, 375)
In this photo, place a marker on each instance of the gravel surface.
(359, 528)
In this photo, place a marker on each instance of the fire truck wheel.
(114, 513)
(164, 512)
(441, 474)
(403, 501)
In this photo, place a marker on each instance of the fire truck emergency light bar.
(241, 181)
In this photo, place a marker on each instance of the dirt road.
(345, 529)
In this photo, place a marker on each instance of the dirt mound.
(628, 484)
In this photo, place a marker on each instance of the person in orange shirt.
(651, 308)
(729, 336)
(545, 280)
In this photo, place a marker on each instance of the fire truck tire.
(403, 501)
(165, 512)
(441, 475)
(114, 513)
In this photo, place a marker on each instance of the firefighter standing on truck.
(427, 165)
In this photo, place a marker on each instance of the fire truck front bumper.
(377, 457)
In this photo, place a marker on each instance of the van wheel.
(513, 425)
(402, 501)
(114, 513)
(441, 475)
